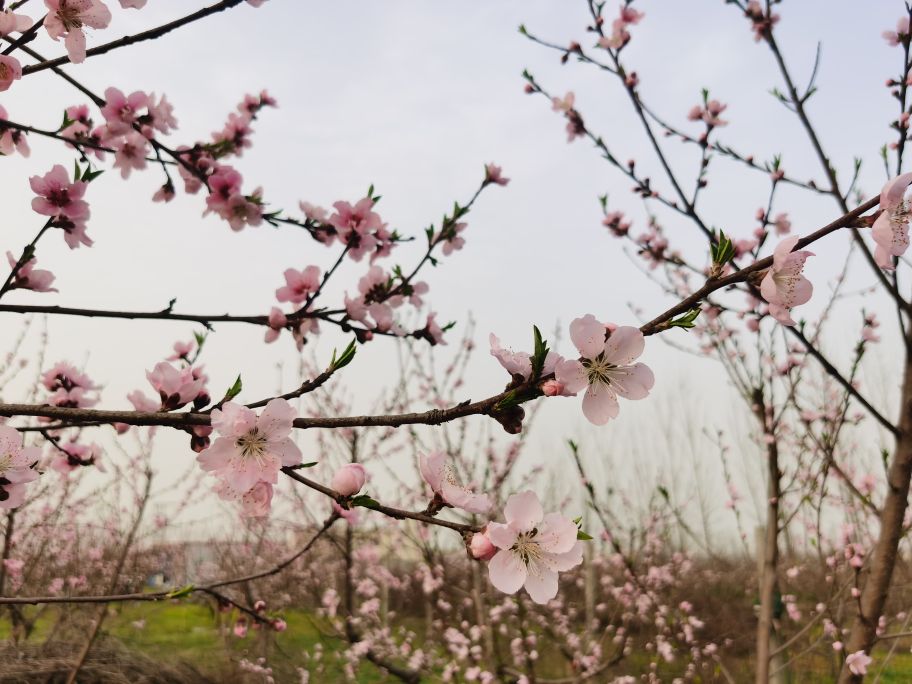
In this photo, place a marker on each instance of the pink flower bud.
(481, 547)
(552, 388)
(279, 625)
(349, 479)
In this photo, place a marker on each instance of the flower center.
(69, 16)
(59, 197)
(6, 462)
(528, 550)
(252, 445)
(599, 370)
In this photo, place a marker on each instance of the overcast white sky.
(415, 97)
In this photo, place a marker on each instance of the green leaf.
(365, 501)
(686, 320)
(180, 592)
(234, 390)
(311, 464)
(583, 536)
(200, 339)
(540, 352)
(67, 121)
(722, 250)
(345, 358)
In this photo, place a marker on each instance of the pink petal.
(431, 468)
(635, 383)
(768, 288)
(564, 561)
(541, 583)
(782, 251)
(502, 536)
(217, 454)
(75, 42)
(556, 534)
(286, 451)
(624, 346)
(600, 404)
(572, 375)
(588, 334)
(892, 193)
(523, 511)
(277, 419)
(507, 572)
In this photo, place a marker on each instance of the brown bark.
(883, 559)
(768, 575)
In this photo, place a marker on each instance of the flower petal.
(507, 572)
(523, 511)
(541, 583)
(588, 334)
(600, 404)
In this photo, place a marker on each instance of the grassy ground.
(189, 632)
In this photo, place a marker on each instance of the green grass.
(189, 632)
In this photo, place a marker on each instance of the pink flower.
(313, 212)
(68, 17)
(891, 228)
(57, 196)
(782, 224)
(16, 468)
(11, 139)
(354, 225)
(30, 278)
(493, 174)
(564, 104)
(858, 662)
(515, 363)
(452, 240)
(440, 477)
(132, 4)
(182, 350)
(75, 456)
(784, 286)
(432, 332)
(533, 548)
(299, 285)
(607, 368)
(350, 515)
(10, 70)
(165, 193)
(240, 628)
(130, 153)
(481, 547)
(349, 479)
(141, 402)
(161, 114)
(276, 322)
(255, 502)
(251, 448)
(279, 625)
(121, 111)
(224, 183)
(901, 33)
(175, 387)
(65, 375)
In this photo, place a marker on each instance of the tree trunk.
(883, 560)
